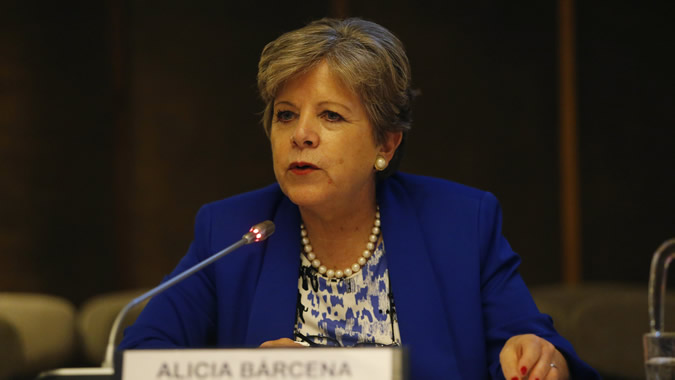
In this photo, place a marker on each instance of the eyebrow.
(322, 103)
(284, 102)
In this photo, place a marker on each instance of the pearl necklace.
(354, 268)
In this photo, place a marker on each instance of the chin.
(306, 200)
(305, 196)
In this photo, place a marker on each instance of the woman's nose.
(305, 134)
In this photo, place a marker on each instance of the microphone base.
(94, 373)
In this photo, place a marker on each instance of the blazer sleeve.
(508, 307)
(184, 315)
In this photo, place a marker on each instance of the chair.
(10, 349)
(37, 333)
(605, 323)
(96, 318)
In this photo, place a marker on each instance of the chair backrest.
(96, 318)
(605, 323)
(38, 333)
(11, 353)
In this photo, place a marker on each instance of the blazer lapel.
(423, 321)
(274, 305)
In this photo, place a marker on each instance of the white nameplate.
(264, 363)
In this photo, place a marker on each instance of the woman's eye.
(285, 116)
(333, 116)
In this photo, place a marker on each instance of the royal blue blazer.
(454, 277)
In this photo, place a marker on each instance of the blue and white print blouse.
(354, 310)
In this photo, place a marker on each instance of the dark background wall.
(119, 119)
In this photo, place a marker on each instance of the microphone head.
(259, 232)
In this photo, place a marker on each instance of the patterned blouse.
(354, 310)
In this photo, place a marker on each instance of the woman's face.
(322, 142)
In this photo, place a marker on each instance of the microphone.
(258, 232)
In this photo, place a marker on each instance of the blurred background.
(118, 119)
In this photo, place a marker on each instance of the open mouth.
(302, 167)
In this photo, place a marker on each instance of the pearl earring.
(380, 163)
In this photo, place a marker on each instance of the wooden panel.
(626, 102)
(570, 212)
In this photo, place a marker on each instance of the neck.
(339, 234)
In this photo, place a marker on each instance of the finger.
(508, 358)
(542, 368)
(283, 342)
(530, 348)
(560, 371)
(553, 374)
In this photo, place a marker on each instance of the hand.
(283, 342)
(529, 357)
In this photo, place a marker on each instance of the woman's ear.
(390, 144)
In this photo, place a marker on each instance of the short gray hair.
(368, 59)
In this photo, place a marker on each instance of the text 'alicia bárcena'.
(204, 370)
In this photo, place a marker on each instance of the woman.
(361, 254)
